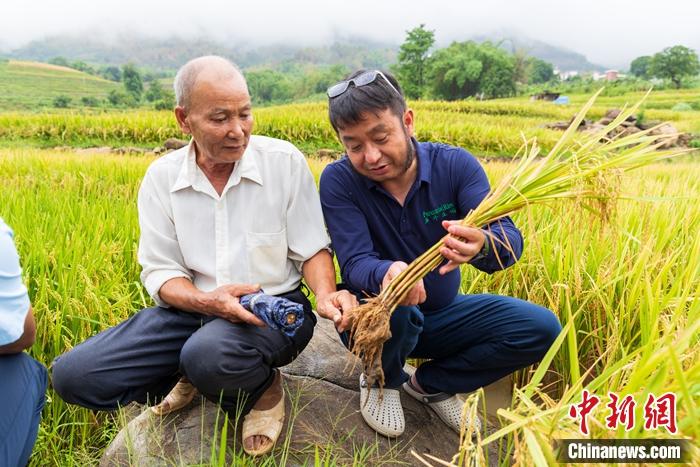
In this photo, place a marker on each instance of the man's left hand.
(334, 306)
(460, 250)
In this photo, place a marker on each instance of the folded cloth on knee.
(277, 312)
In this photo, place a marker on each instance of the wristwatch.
(485, 250)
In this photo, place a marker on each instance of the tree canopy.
(466, 69)
(675, 63)
(413, 60)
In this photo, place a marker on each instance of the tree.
(90, 101)
(61, 101)
(121, 99)
(82, 66)
(132, 81)
(467, 69)
(539, 71)
(412, 61)
(268, 86)
(155, 91)
(60, 61)
(675, 63)
(640, 67)
(112, 73)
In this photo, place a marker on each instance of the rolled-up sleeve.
(14, 301)
(159, 252)
(306, 231)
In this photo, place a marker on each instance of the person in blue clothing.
(22, 379)
(385, 202)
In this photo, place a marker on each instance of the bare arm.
(26, 340)
(319, 274)
(221, 302)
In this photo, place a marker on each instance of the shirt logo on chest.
(439, 213)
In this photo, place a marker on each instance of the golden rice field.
(626, 289)
(485, 128)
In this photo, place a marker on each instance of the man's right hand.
(224, 302)
(416, 295)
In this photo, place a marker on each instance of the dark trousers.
(472, 342)
(142, 359)
(22, 397)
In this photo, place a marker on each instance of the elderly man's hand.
(224, 303)
(416, 295)
(334, 306)
(460, 250)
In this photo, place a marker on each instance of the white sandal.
(447, 407)
(268, 423)
(178, 397)
(385, 416)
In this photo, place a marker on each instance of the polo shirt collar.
(424, 166)
(191, 175)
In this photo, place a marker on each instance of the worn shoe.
(178, 397)
(267, 423)
(385, 416)
(447, 407)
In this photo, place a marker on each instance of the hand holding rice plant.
(575, 168)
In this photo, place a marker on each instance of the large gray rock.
(322, 416)
(326, 358)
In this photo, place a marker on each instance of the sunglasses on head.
(359, 81)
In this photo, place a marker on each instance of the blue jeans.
(22, 397)
(472, 342)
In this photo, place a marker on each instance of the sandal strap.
(430, 398)
(269, 427)
(265, 422)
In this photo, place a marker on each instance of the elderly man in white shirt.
(225, 216)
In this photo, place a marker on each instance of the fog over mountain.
(607, 33)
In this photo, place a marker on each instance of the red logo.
(621, 413)
(661, 412)
(583, 409)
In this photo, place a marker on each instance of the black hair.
(347, 108)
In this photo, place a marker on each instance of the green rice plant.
(627, 287)
(484, 128)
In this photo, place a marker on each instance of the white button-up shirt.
(265, 224)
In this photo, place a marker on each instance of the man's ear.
(408, 121)
(181, 116)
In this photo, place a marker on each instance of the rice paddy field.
(626, 288)
(494, 128)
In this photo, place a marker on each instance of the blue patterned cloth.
(276, 312)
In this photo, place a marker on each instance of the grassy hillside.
(34, 86)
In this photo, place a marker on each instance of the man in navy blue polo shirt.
(385, 202)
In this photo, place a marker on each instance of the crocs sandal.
(266, 423)
(178, 397)
(447, 407)
(385, 416)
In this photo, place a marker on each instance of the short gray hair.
(187, 75)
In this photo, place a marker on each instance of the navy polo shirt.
(369, 229)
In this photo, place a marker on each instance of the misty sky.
(610, 32)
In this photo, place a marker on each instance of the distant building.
(611, 75)
(564, 75)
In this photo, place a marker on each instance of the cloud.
(608, 32)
